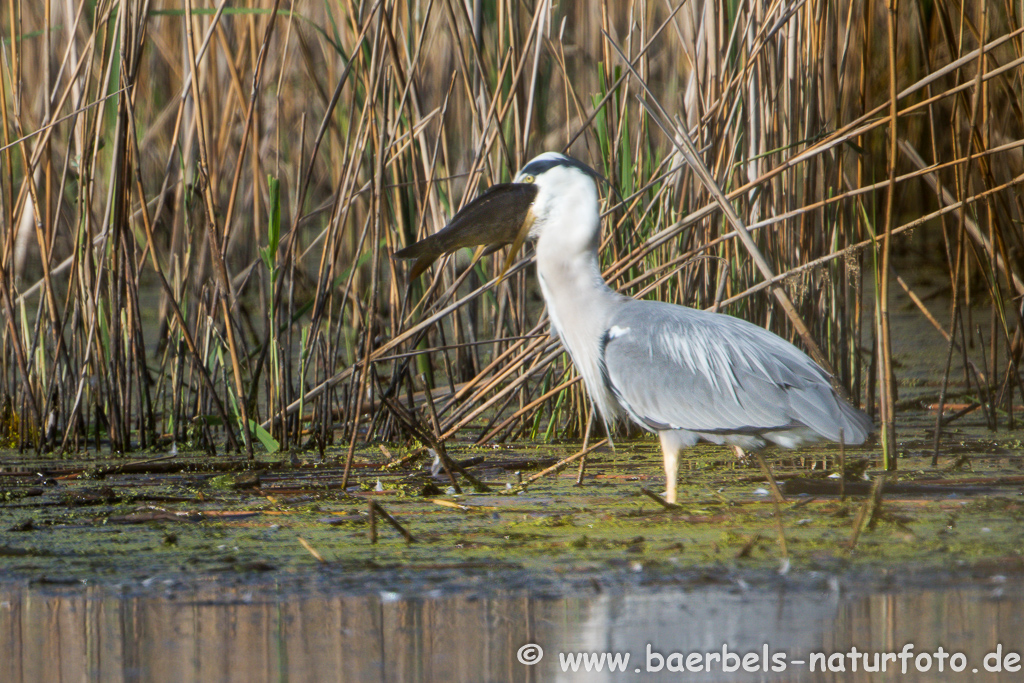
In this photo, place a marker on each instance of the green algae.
(196, 515)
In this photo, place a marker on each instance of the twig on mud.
(311, 550)
(557, 467)
(748, 546)
(772, 484)
(781, 530)
(659, 500)
(868, 511)
(449, 504)
(777, 500)
(842, 467)
(586, 442)
(376, 509)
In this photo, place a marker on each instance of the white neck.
(574, 290)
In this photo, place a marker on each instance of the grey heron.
(680, 372)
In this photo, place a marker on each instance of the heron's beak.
(498, 217)
(517, 243)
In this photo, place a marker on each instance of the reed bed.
(198, 204)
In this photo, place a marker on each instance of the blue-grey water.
(220, 631)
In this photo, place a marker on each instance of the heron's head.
(565, 208)
(552, 197)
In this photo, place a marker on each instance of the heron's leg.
(670, 450)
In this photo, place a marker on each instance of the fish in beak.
(499, 216)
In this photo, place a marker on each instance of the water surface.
(236, 631)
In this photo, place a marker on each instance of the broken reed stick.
(373, 523)
(581, 471)
(376, 509)
(842, 467)
(777, 500)
(558, 466)
(658, 499)
(772, 484)
(748, 547)
(586, 442)
(311, 550)
(780, 529)
(867, 511)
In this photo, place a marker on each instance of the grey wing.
(678, 368)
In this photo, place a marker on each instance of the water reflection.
(214, 632)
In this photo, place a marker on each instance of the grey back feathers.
(673, 367)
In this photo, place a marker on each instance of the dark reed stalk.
(887, 378)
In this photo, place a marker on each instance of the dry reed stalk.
(138, 137)
(887, 377)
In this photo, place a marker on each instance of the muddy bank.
(182, 515)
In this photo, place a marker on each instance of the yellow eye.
(527, 179)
